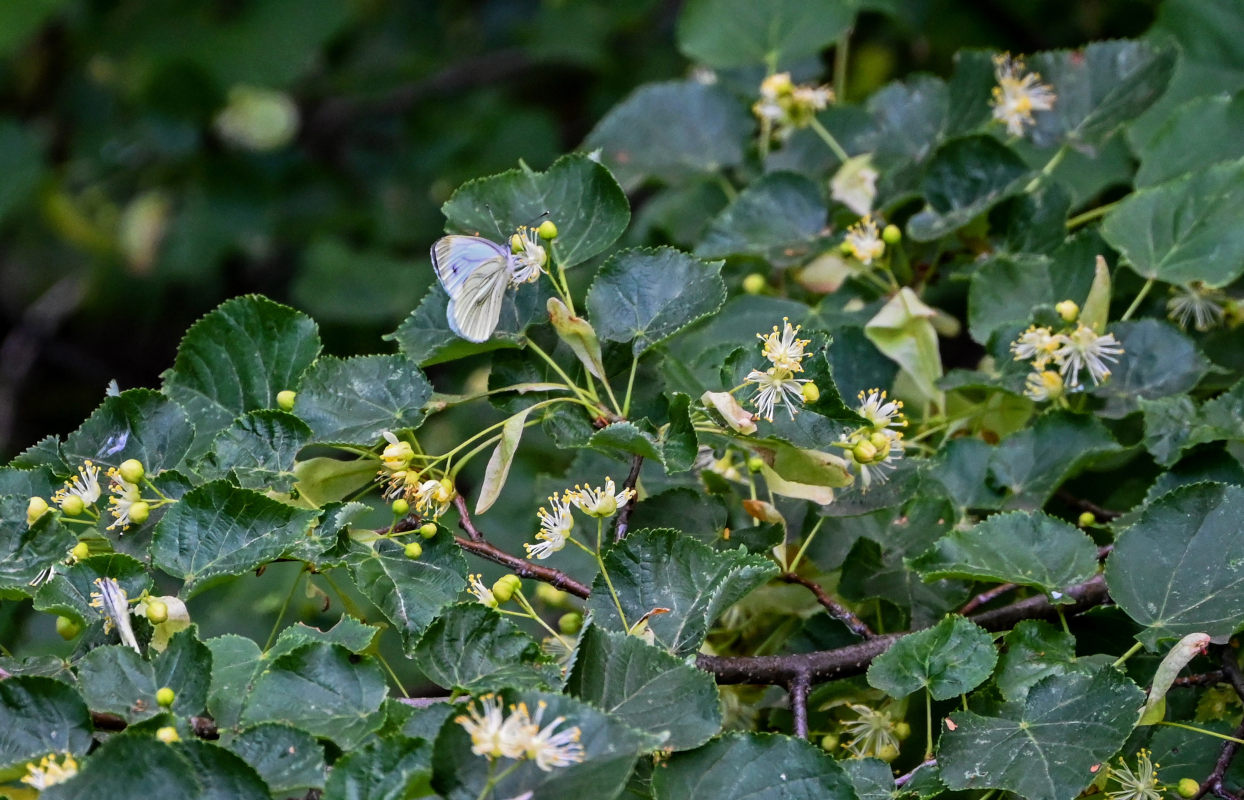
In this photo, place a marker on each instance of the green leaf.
(258, 450)
(289, 760)
(355, 399)
(1045, 747)
(1027, 548)
(472, 648)
(185, 666)
(645, 687)
(349, 632)
(951, 658)
(392, 768)
(117, 680)
(904, 332)
(409, 592)
(779, 218)
(871, 778)
(1199, 134)
(217, 530)
(323, 689)
(323, 480)
(672, 131)
(1005, 290)
(578, 194)
(236, 661)
(1174, 424)
(1157, 361)
(763, 766)
(27, 550)
(1031, 464)
(138, 423)
(128, 765)
(680, 446)
(910, 116)
(739, 33)
(1034, 650)
(1100, 88)
(41, 716)
(666, 569)
(628, 438)
(1180, 568)
(963, 179)
(426, 338)
(1183, 230)
(68, 593)
(237, 358)
(610, 748)
(873, 572)
(644, 296)
(222, 773)
(498, 469)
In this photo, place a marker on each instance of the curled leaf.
(1177, 658)
(578, 334)
(737, 417)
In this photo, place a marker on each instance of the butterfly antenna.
(505, 237)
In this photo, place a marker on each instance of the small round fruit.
(157, 611)
(888, 753)
(67, 628)
(505, 587)
(72, 505)
(427, 530)
(1187, 787)
(901, 731)
(1088, 519)
(811, 393)
(166, 696)
(139, 512)
(755, 463)
(547, 230)
(570, 623)
(413, 550)
(285, 399)
(131, 470)
(891, 235)
(754, 283)
(80, 551)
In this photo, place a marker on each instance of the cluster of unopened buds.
(873, 448)
(79, 495)
(519, 735)
(430, 495)
(1059, 356)
(786, 106)
(555, 525)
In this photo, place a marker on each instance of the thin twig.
(798, 688)
(202, 727)
(902, 780)
(423, 702)
(987, 597)
(836, 610)
(1204, 679)
(1103, 514)
(523, 568)
(1231, 670)
(464, 519)
(621, 523)
(1213, 783)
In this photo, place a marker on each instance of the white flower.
(880, 412)
(84, 486)
(482, 593)
(123, 497)
(555, 526)
(529, 259)
(864, 241)
(1038, 344)
(50, 772)
(432, 498)
(872, 732)
(776, 384)
(1043, 385)
(873, 454)
(787, 106)
(1196, 304)
(1018, 94)
(601, 502)
(783, 349)
(855, 184)
(1139, 785)
(114, 606)
(397, 454)
(547, 748)
(1083, 348)
(493, 734)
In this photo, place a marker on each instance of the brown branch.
(902, 780)
(1103, 514)
(986, 597)
(1231, 670)
(836, 610)
(464, 519)
(1204, 679)
(798, 688)
(523, 568)
(854, 659)
(202, 727)
(1213, 783)
(621, 523)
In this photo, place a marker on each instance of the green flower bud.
(67, 628)
(166, 696)
(80, 551)
(551, 595)
(891, 235)
(139, 512)
(505, 587)
(810, 392)
(36, 508)
(547, 230)
(1187, 787)
(754, 283)
(570, 623)
(901, 731)
(1087, 519)
(131, 470)
(888, 753)
(168, 734)
(285, 399)
(516, 244)
(1068, 310)
(72, 505)
(400, 507)
(881, 441)
(829, 742)
(755, 463)
(413, 549)
(864, 453)
(427, 530)
(157, 611)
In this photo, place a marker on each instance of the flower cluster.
(1141, 784)
(517, 735)
(873, 448)
(529, 260)
(1018, 94)
(1201, 307)
(114, 606)
(787, 107)
(555, 525)
(864, 242)
(80, 494)
(778, 383)
(872, 733)
(1058, 357)
(50, 771)
(431, 496)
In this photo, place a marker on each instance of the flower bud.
(168, 734)
(505, 587)
(754, 283)
(165, 696)
(1068, 310)
(413, 550)
(551, 594)
(72, 505)
(1187, 787)
(517, 245)
(829, 742)
(847, 248)
(888, 753)
(755, 463)
(1087, 519)
(139, 512)
(285, 399)
(881, 441)
(400, 507)
(36, 508)
(901, 731)
(547, 230)
(80, 551)
(427, 530)
(570, 623)
(131, 470)
(891, 235)
(810, 392)
(864, 453)
(67, 628)
(157, 611)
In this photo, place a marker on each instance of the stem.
(1195, 729)
(392, 674)
(630, 385)
(1049, 167)
(600, 528)
(1090, 215)
(829, 139)
(531, 612)
(841, 52)
(1123, 658)
(1063, 619)
(727, 188)
(574, 387)
(928, 724)
(807, 541)
(349, 605)
(1144, 291)
(281, 614)
(799, 688)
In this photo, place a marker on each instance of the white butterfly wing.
(475, 273)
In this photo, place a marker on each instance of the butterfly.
(476, 273)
